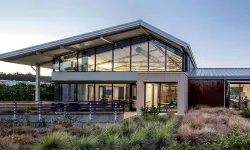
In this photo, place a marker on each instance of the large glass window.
(103, 92)
(56, 64)
(121, 92)
(152, 94)
(68, 62)
(173, 59)
(85, 92)
(239, 96)
(122, 56)
(161, 95)
(104, 58)
(139, 54)
(168, 97)
(157, 56)
(68, 92)
(86, 60)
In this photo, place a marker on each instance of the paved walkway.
(129, 114)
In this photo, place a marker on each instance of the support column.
(37, 97)
(140, 96)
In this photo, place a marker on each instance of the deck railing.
(54, 108)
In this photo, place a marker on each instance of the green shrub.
(54, 141)
(245, 113)
(153, 111)
(65, 120)
(108, 131)
(128, 127)
(41, 123)
(88, 130)
(84, 143)
(9, 123)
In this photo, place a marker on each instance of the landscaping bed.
(148, 132)
(201, 128)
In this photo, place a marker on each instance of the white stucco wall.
(94, 76)
(180, 78)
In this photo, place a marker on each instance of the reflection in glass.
(239, 96)
(152, 94)
(162, 96)
(173, 59)
(104, 58)
(156, 56)
(168, 97)
(122, 56)
(68, 62)
(121, 92)
(85, 92)
(103, 92)
(139, 54)
(86, 60)
(56, 64)
(68, 92)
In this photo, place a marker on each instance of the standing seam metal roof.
(219, 73)
(98, 33)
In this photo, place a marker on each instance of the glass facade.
(104, 58)
(122, 56)
(97, 92)
(239, 96)
(157, 56)
(139, 54)
(174, 59)
(161, 95)
(86, 60)
(68, 62)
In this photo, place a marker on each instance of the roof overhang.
(43, 54)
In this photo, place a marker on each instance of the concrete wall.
(94, 76)
(180, 78)
(95, 118)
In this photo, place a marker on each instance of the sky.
(217, 30)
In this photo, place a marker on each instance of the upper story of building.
(131, 47)
(140, 53)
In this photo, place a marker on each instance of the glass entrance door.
(161, 95)
(133, 97)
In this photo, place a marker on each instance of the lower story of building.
(169, 92)
(166, 91)
(230, 93)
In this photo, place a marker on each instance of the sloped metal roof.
(220, 73)
(11, 56)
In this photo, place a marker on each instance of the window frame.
(149, 38)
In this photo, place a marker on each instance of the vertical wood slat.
(206, 92)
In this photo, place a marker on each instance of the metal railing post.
(39, 111)
(90, 111)
(14, 111)
(115, 111)
(64, 108)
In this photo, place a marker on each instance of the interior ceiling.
(44, 58)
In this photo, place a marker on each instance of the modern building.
(135, 63)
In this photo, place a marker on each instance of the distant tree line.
(22, 77)
(25, 92)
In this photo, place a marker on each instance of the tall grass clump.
(84, 143)
(56, 140)
(206, 124)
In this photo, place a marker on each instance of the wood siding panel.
(206, 92)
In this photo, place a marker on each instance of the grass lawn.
(200, 128)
